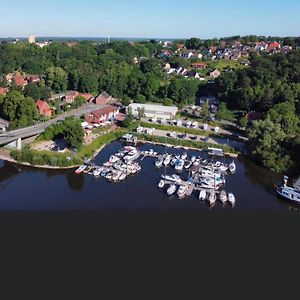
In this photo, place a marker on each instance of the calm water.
(24, 188)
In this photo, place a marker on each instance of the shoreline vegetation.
(50, 160)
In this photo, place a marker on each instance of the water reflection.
(28, 188)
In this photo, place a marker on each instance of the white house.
(186, 54)
(154, 110)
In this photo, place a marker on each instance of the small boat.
(202, 195)
(193, 158)
(232, 167)
(113, 159)
(212, 197)
(179, 165)
(97, 172)
(182, 190)
(231, 199)
(161, 184)
(184, 155)
(223, 196)
(195, 167)
(80, 169)
(122, 176)
(159, 161)
(187, 164)
(104, 172)
(172, 189)
(291, 193)
(115, 175)
(109, 175)
(173, 161)
(167, 160)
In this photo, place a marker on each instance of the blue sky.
(149, 18)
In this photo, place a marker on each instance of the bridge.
(14, 137)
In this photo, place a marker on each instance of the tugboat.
(288, 192)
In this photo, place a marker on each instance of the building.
(43, 108)
(3, 91)
(70, 96)
(31, 39)
(104, 114)
(103, 98)
(199, 65)
(87, 96)
(33, 78)
(186, 54)
(20, 80)
(215, 74)
(154, 110)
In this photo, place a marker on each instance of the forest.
(93, 67)
(270, 86)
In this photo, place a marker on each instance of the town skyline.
(142, 19)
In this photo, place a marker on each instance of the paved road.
(13, 135)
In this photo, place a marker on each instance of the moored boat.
(80, 169)
(159, 161)
(202, 195)
(161, 184)
(231, 198)
(182, 190)
(290, 193)
(212, 197)
(223, 196)
(232, 167)
(172, 189)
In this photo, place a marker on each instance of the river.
(25, 188)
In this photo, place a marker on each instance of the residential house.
(3, 91)
(197, 55)
(104, 114)
(186, 54)
(20, 80)
(33, 78)
(253, 116)
(273, 46)
(70, 96)
(199, 65)
(103, 98)
(261, 46)
(180, 47)
(43, 108)
(87, 96)
(215, 74)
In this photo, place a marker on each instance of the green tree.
(243, 122)
(205, 113)
(141, 112)
(56, 79)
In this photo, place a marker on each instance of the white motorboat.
(109, 175)
(193, 158)
(179, 165)
(202, 195)
(182, 190)
(172, 189)
(97, 171)
(159, 161)
(161, 184)
(212, 197)
(167, 160)
(116, 175)
(195, 167)
(173, 178)
(188, 164)
(80, 169)
(132, 155)
(232, 167)
(173, 161)
(291, 193)
(223, 196)
(113, 159)
(231, 199)
(184, 155)
(207, 174)
(122, 176)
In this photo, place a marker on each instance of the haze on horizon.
(146, 19)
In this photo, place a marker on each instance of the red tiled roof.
(19, 80)
(253, 115)
(120, 117)
(104, 111)
(43, 107)
(86, 96)
(3, 91)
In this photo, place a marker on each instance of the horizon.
(139, 18)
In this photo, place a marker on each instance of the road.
(38, 128)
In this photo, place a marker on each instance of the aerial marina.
(193, 175)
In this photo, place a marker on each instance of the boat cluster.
(205, 175)
(117, 168)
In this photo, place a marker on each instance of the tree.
(56, 79)
(223, 112)
(168, 102)
(205, 113)
(140, 99)
(141, 112)
(193, 43)
(266, 141)
(78, 101)
(129, 119)
(243, 122)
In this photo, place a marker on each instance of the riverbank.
(70, 160)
